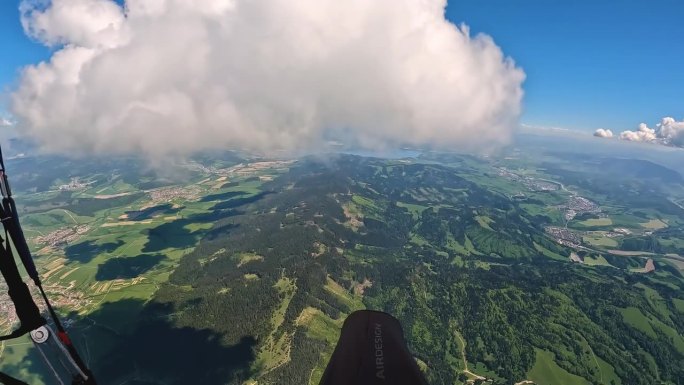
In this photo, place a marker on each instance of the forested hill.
(482, 292)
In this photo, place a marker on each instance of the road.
(465, 361)
(71, 216)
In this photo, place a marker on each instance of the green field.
(275, 351)
(674, 242)
(323, 328)
(546, 372)
(367, 207)
(596, 261)
(654, 224)
(246, 258)
(548, 253)
(414, 209)
(351, 301)
(552, 213)
(597, 222)
(608, 373)
(635, 318)
(657, 302)
(600, 241)
(484, 221)
(679, 304)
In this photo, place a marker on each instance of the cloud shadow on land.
(237, 202)
(222, 196)
(175, 234)
(164, 354)
(172, 234)
(151, 212)
(127, 267)
(134, 343)
(85, 252)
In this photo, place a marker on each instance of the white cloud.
(176, 76)
(603, 133)
(87, 23)
(643, 134)
(671, 131)
(668, 132)
(4, 122)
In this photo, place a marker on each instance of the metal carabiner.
(47, 343)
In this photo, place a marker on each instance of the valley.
(243, 272)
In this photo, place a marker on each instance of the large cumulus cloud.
(668, 132)
(643, 134)
(672, 131)
(176, 76)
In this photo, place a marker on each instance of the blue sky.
(17, 49)
(589, 63)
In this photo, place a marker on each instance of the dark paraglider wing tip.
(372, 350)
